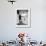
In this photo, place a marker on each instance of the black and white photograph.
(23, 17)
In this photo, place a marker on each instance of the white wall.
(8, 29)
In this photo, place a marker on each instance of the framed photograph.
(23, 17)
